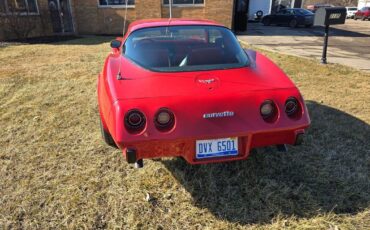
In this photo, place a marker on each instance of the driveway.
(349, 44)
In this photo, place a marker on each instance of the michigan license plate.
(217, 148)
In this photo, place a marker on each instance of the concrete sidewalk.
(349, 44)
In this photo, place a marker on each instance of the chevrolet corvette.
(186, 88)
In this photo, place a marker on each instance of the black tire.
(266, 21)
(363, 18)
(107, 137)
(355, 18)
(259, 13)
(293, 23)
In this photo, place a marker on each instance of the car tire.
(363, 18)
(355, 18)
(266, 22)
(293, 23)
(106, 136)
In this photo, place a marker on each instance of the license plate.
(217, 148)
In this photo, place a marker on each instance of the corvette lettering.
(218, 115)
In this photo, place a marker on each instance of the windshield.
(353, 9)
(185, 48)
(303, 12)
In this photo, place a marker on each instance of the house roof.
(140, 24)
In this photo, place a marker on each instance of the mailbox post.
(326, 17)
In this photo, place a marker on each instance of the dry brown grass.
(55, 171)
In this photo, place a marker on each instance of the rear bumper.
(186, 147)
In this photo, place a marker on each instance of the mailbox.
(326, 17)
(330, 16)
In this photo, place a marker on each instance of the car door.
(280, 17)
(289, 15)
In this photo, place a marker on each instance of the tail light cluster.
(292, 107)
(269, 110)
(164, 120)
(135, 121)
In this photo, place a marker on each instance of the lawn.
(55, 171)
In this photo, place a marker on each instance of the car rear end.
(210, 127)
(191, 91)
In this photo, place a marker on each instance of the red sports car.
(186, 88)
(363, 14)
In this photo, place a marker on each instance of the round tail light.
(291, 106)
(164, 119)
(267, 109)
(135, 121)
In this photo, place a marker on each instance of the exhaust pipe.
(282, 148)
(132, 158)
(299, 139)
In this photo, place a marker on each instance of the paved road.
(349, 44)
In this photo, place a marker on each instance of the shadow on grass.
(328, 173)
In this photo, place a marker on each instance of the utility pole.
(170, 2)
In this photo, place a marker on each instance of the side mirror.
(115, 44)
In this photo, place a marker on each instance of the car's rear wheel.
(106, 136)
(293, 23)
(363, 18)
(266, 22)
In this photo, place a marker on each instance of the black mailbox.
(330, 16)
(326, 17)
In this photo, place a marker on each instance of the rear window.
(185, 48)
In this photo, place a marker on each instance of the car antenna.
(119, 76)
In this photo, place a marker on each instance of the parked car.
(363, 14)
(351, 12)
(291, 17)
(186, 88)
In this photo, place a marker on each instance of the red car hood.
(141, 83)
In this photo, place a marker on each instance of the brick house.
(49, 17)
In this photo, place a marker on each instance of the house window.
(116, 2)
(18, 6)
(184, 2)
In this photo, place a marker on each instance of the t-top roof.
(147, 23)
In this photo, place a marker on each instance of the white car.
(351, 11)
